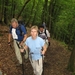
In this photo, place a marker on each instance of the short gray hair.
(14, 20)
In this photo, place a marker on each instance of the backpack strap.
(21, 32)
(45, 32)
(10, 29)
(19, 28)
(39, 33)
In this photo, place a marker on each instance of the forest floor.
(56, 60)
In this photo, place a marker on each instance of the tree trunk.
(45, 12)
(49, 22)
(5, 12)
(3, 3)
(0, 11)
(12, 9)
(35, 13)
(53, 12)
(31, 12)
(22, 9)
(71, 61)
(71, 64)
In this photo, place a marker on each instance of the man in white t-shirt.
(45, 35)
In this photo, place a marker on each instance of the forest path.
(56, 59)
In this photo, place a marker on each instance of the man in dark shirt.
(19, 35)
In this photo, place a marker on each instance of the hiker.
(37, 48)
(18, 33)
(29, 29)
(44, 25)
(30, 25)
(45, 35)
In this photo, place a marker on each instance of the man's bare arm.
(25, 37)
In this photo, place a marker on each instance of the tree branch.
(22, 8)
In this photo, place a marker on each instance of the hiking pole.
(43, 63)
(22, 54)
(10, 46)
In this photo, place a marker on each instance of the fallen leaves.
(56, 58)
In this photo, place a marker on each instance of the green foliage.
(73, 73)
(14, 7)
(61, 15)
(27, 11)
(64, 26)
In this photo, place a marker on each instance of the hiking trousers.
(46, 43)
(37, 66)
(18, 53)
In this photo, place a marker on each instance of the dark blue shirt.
(20, 31)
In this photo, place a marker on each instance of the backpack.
(22, 23)
(19, 28)
(42, 33)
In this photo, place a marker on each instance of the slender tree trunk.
(71, 61)
(13, 9)
(51, 18)
(35, 13)
(0, 11)
(49, 22)
(22, 8)
(5, 12)
(42, 16)
(45, 12)
(3, 4)
(31, 12)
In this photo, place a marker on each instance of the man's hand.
(22, 50)
(9, 43)
(21, 43)
(43, 52)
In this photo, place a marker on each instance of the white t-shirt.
(14, 35)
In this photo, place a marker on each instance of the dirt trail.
(55, 64)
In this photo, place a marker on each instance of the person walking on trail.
(37, 48)
(44, 25)
(18, 33)
(45, 35)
